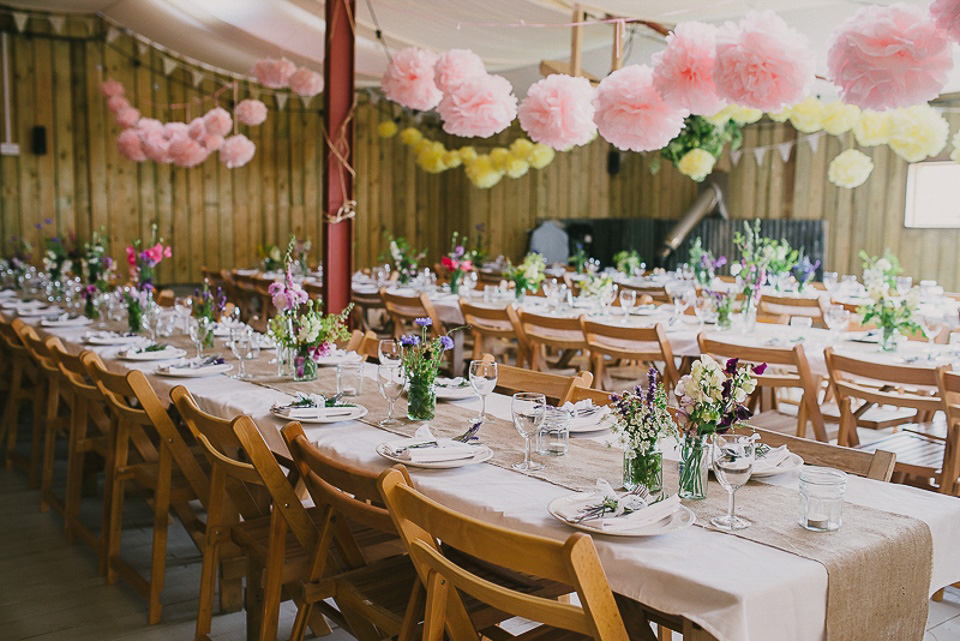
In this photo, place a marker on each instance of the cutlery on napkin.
(624, 513)
(194, 364)
(771, 458)
(584, 413)
(307, 406)
(458, 381)
(424, 447)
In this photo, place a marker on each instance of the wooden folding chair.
(598, 396)
(948, 382)
(790, 306)
(495, 325)
(368, 306)
(369, 345)
(141, 457)
(422, 522)
(650, 293)
(555, 387)
(403, 310)
(619, 342)
(26, 384)
(787, 369)
(555, 332)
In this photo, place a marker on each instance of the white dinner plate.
(78, 321)
(484, 453)
(455, 393)
(33, 312)
(359, 411)
(186, 372)
(679, 520)
(337, 358)
(644, 310)
(169, 354)
(604, 421)
(791, 462)
(108, 339)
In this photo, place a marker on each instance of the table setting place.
(151, 351)
(106, 338)
(65, 319)
(199, 367)
(316, 408)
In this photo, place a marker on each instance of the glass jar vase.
(644, 468)
(693, 466)
(421, 398)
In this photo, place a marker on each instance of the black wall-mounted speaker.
(38, 137)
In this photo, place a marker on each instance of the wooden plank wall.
(219, 217)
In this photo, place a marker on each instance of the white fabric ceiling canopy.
(233, 34)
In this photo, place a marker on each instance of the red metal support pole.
(338, 101)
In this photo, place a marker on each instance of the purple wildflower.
(409, 341)
(760, 369)
(446, 342)
(423, 322)
(732, 366)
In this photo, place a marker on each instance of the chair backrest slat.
(555, 387)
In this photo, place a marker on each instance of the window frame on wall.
(923, 209)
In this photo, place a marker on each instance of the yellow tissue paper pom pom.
(736, 113)
(839, 118)
(516, 167)
(452, 159)
(482, 173)
(499, 156)
(410, 136)
(781, 116)
(873, 128)
(430, 157)
(467, 154)
(521, 148)
(850, 169)
(721, 117)
(955, 154)
(696, 163)
(918, 132)
(387, 129)
(807, 116)
(541, 155)
(422, 144)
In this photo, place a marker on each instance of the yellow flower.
(411, 136)
(918, 132)
(521, 148)
(467, 154)
(452, 158)
(807, 116)
(499, 156)
(955, 154)
(839, 118)
(482, 173)
(516, 167)
(873, 128)
(850, 169)
(541, 156)
(430, 156)
(387, 129)
(696, 163)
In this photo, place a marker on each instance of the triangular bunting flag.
(112, 34)
(785, 148)
(735, 155)
(814, 142)
(760, 153)
(20, 19)
(169, 64)
(306, 100)
(281, 100)
(57, 23)
(197, 77)
(143, 47)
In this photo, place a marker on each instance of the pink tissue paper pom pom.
(408, 80)
(172, 130)
(558, 111)
(196, 129)
(155, 145)
(630, 113)
(217, 121)
(947, 15)
(251, 112)
(210, 142)
(149, 124)
(683, 72)
(128, 144)
(128, 117)
(762, 63)
(116, 103)
(273, 72)
(236, 151)
(111, 88)
(888, 57)
(481, 106)
(305, 82)
(187, 152)
(455, 67)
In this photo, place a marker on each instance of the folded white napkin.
(193, 365)
(109, 338)
(7, 293)
(64, 320)
(642, 518)
(773, 459)
(458, 381)
(168, 352)
(445, 450)
(13, 304)
(25, 310)
(584, 413)
(641, 515)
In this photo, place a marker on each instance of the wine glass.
(388, 351)
(628, 298)
(551, 289)
(704, 309)
(732, 463)
(904, 283)
(151, 318)
(198, 328)
(391, 380)
(245, 346)
(483, 379)
(830, 280)
(606, 298)
(837, 319)
(528, 410)
(932, 325)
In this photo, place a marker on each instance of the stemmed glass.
(388, 351)
(391, 380)
(551, 289)
(732, 463)
(904, 283)
(628, 298)
(703, 307)
(837, 319)
(606, 298)
(681, 296)
(932, 325)
(151, 319)
(198, 328)
(528, 410)
(245, 346)
(830, 280)
(483, 379)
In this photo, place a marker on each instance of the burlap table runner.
(878, 564)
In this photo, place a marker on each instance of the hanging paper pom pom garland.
(455, 67)
(306, 83)
(251, 112)
(117, 102)
(409, 79)
(111, 88)
(630, 113)
(187, 152)
(763, 63)
(683, 72)
(237, 151)
(217, 121)
(558, 111)
(127, 117)
(128, 144)
(889, 57)
(947, 15)
(481, 106)
(273, 73)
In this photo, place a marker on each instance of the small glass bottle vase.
(643, 469)
(421, 398)
(693, 467)
(889, 337)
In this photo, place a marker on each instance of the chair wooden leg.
(71, 500)
(11, 411)
(36, 433)
(112, 525)
(49, 445)
(161, 521)
(254, 600)
(272, 585)
(232, 571)
(938, 595)
(208, 585)
(664, 634)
